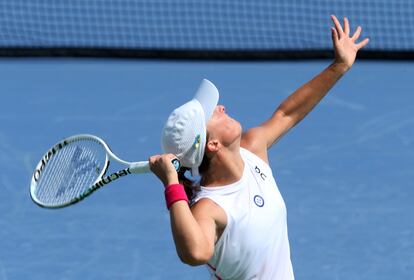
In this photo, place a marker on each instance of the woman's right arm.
(194, 230)
(294, 108)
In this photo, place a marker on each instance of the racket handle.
(139, 167)
(176, 163)
(143, 166)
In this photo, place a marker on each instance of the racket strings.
(70, 172)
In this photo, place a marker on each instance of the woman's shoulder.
(253, 143)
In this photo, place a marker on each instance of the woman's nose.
(221, 108)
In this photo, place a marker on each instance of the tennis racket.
(76, 167)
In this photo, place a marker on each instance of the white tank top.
(254, 244)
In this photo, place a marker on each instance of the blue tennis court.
(345, 172)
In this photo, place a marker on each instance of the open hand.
(345, 46)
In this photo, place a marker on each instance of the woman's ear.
(213, 146)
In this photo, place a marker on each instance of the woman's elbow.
(196, 257)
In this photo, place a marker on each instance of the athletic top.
(254, 244)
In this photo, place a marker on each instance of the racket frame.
(132, 167)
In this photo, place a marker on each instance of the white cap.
(184, 134)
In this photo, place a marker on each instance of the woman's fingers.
(346, 26)
(338, 26)
(356, 34)
(335, 36)
(363, 43)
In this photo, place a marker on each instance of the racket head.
(68, 171)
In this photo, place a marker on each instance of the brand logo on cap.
(197, 141)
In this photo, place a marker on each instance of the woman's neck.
(225, 167)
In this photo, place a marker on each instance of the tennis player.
(235, 220)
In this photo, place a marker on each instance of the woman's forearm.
(304, 99)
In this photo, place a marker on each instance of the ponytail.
(186, 182)
(192, 184)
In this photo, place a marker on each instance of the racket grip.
(139, 167)
(143, 166)
(177, 164)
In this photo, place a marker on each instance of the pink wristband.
(174, 193)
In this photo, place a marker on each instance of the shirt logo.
(258, 200)
(262, 175)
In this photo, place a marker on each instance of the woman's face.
(222, 127)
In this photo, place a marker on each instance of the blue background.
(345, 172)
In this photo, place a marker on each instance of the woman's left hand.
(345, 46)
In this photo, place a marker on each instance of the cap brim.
(208, 96)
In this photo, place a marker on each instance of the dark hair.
(191, 184)
(186, 182)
